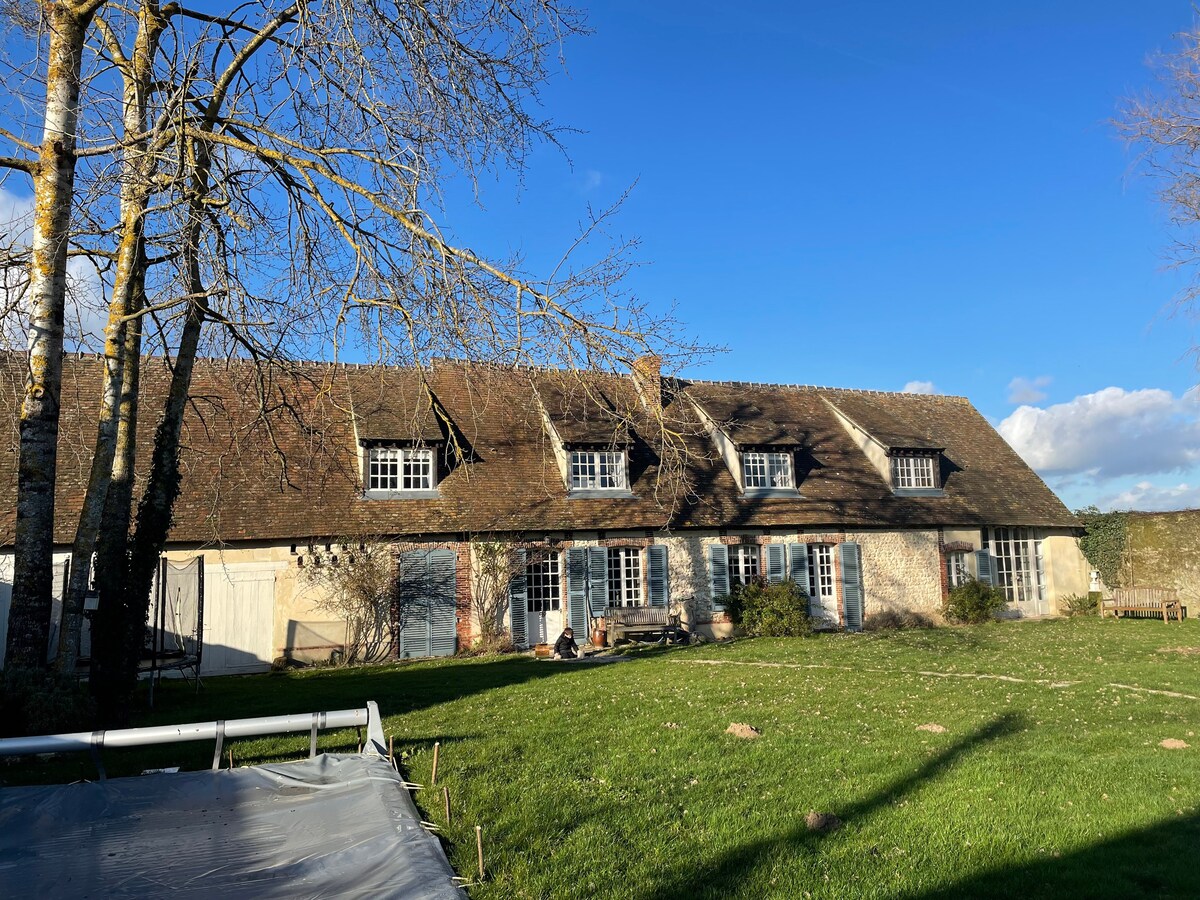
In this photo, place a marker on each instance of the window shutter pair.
(587, 580)
(428, 615)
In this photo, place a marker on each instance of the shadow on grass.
(729, 872)
(1158, 861)
(398, 689)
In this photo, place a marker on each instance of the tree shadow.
(728, 873)
(1157, 861)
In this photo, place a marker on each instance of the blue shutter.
(659, 580)
(718, 573)
(443, 614)
(775, 562)
(577, 611)
(798, 571)
(852, 590)
(983, 566)
(517, 600)
(598, 580)
(413, 605)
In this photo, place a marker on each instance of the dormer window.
(914, 471)
(767, 470)
(598, 470)
(400, 471)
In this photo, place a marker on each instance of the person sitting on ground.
(565, 647)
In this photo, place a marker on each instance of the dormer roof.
(393, 406)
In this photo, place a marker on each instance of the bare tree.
(1164, 124)
(356, 580)
(494, 562)
(284, 151)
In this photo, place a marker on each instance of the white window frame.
(625, 580)
(396, 471)
(957, 568)
(598, 470)
(744, 562)
(914, 472)
(822, 580)
(543, 583)
(1019, 568)
(767, 470)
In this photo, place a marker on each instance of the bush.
(770, 610)
(972, 602)
(1080, 604)
(897, 619)
(43, 702)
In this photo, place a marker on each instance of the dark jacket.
(565, 646)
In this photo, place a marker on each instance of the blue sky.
(882, 195)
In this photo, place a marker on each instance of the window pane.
(592, 470)
(543, 584)
(624, 576)
(743, 563)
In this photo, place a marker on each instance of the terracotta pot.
(599, 637)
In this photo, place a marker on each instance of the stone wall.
(1163, 550)
(901, 570)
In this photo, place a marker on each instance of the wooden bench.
(1140, 602)
(623, 620)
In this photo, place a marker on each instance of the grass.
(619, 781)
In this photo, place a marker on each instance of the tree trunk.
(158, 500)
(110, 623)
(29, 615)
(130, 266)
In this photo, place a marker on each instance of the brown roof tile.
(289, 469)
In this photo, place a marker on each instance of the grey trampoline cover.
(333, 826)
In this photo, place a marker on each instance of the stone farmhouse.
(620, 490)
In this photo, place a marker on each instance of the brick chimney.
(647, 378)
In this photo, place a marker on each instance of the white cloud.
(1150, 497)
(920, 387)
(1108, 434)
(86, 313)
(1028, 390)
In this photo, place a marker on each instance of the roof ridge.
(824, 387)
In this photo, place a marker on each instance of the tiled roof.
(292, 471)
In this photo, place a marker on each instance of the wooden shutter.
(517, 601)
(718, 573)
(852, 590)
(443, 614)
(413, 624)
(577, 585)
(798, 570)
(598, 579)
(983, 566)
(659, 580)
(775, 562)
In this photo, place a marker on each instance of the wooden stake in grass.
(231, 758)
(433, 777)
(479, 847)
(446, 797)
(392, 748)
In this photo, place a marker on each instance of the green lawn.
(619, 781)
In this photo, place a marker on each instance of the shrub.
(43, 702)
(1080, 604)
(897, 619)
(973, 602)
(770, 610)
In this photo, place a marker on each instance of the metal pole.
(169, 734)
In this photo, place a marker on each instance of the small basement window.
(598, 470)
(399, 470)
